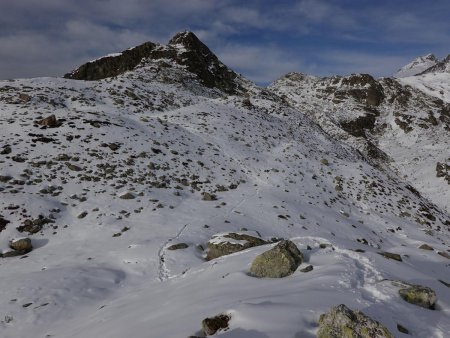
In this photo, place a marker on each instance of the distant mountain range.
(424, 65)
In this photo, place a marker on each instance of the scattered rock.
(402, 329)
(225, 244)
(444, 254)
(307, 269)
(22, 244)
(3, 223)
(5, 151)
(50, 122)
(33, 226)
(418, 295)
(178, 246)
(73, 167)
(114, 146)
(280, 261)
(5, 179)
(82, 215)
(24, 97)
(426, 247)
(211, 325)
(390, 255)
(341, 322)
(206, 196)
(11, 253)
(445, 283)
(127, 195)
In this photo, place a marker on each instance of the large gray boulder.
(416, 294)
(22, 244)
(225, 244)
(342, 322)
(280, 261)
(19, 247)
(419, 295)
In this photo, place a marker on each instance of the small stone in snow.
(178, 246)
(127, 196)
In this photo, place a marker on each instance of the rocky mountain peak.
(183, 49)
(200, 60)
(189, 40)
(417, 66)
(442, 66)
(431, 57)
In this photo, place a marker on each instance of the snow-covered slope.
(159, 155)
(417, 66)
(433, 84)
(393, 124)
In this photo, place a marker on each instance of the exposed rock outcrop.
(110, 66)
(214, 324)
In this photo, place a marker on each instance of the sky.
(260, 39)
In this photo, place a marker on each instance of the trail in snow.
(163, 271)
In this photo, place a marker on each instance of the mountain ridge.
(417, 66)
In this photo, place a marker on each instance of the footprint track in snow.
(163, 271)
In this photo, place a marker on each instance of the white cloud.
(344, 63)
(261, 64)
(27, 54)
(328, 14)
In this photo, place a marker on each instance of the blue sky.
(260, 39)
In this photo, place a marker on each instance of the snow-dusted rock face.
(159, 133)
(113, 65)
(417, 66)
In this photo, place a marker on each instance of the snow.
(433, 84)
(90, 277)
